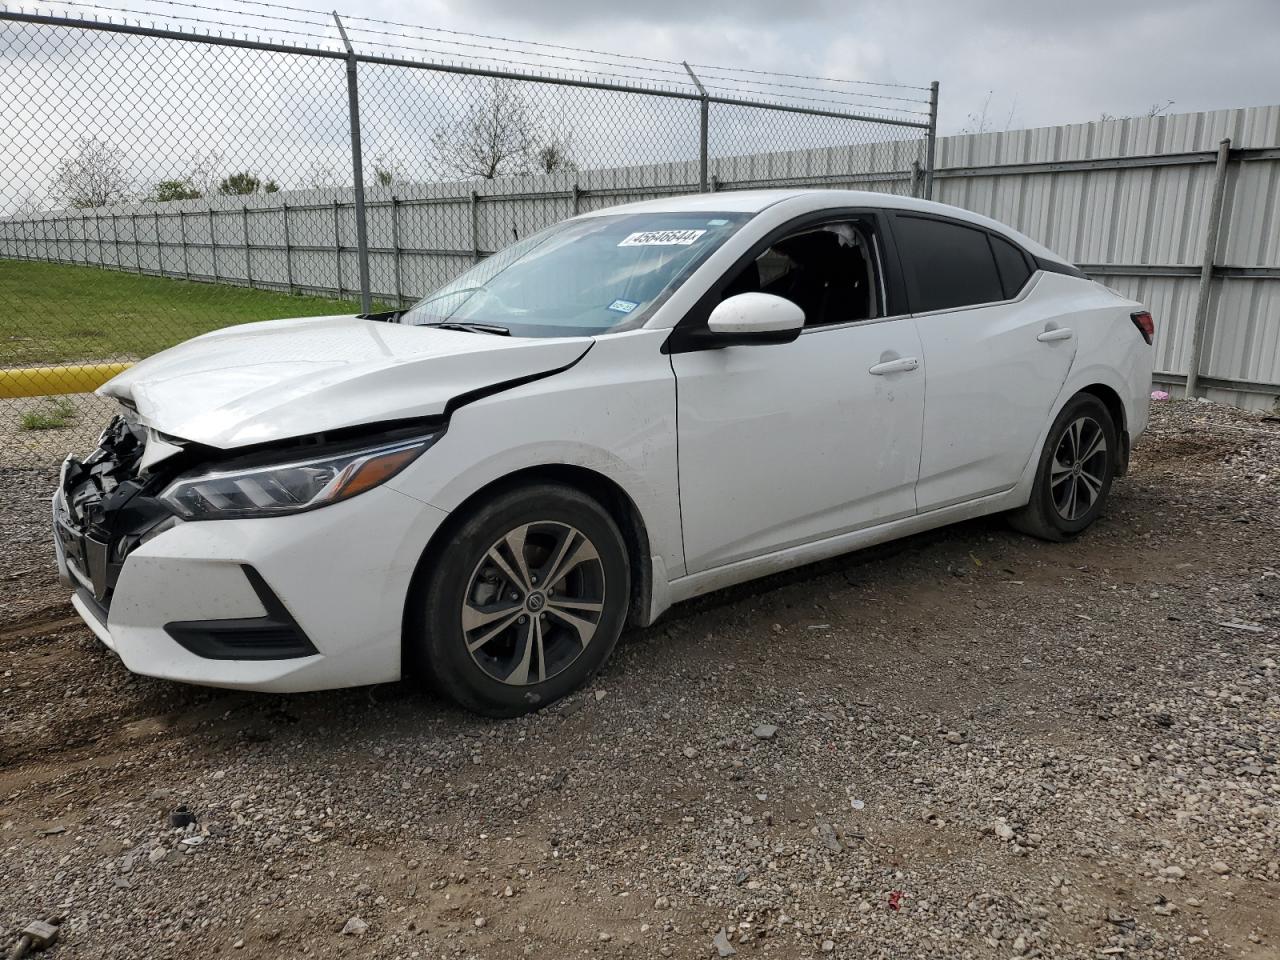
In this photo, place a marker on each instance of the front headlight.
(276, 489)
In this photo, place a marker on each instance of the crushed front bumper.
(304, 602)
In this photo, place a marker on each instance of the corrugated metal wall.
(1140, 227)
(1129, 200)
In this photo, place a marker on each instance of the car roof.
(808, 200)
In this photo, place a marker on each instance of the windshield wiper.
(470, 327)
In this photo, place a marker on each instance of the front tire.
(1075, 472)
(524, 604)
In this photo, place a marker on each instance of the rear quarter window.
(1015, 269)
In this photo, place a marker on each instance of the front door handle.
(901, 365)
(1057, 333)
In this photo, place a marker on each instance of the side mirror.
(754, 318)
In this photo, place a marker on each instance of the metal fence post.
(182, 233)
(159, 252)
(917, 178)
(575, 197)
(248, 258)
(137, 245)
(97, 235)
(115, 242)
(1200, 322)
(357, 170)
(475, 227)
(395, 250)
(288, 249)
(931, 140)
(703, 127)
(213, 247)
(337, 245)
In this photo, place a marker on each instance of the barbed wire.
(616, 62)
(779, 96)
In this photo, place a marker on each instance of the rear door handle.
(901, 365)
(1057, 333)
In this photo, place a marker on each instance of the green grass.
(53, 415)
(53, 313)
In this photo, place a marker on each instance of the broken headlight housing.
(277, 489)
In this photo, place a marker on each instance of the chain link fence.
(157, 183)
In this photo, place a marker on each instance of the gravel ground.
(21, 448)
(969, 744)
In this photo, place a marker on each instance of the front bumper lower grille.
(275, 636)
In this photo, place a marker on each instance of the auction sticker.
(662, 238)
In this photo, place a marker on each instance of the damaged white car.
(622, 411)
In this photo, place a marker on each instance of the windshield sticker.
(716, 223)
(662, 238)
(623, 306)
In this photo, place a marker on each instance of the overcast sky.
(1002, 64)
(1043, 63)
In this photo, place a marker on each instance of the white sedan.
(625, 410)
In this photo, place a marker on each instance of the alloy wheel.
(1078, 469)
(533, 602)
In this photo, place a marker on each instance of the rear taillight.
(1146, 326)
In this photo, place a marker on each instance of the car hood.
(288, 378)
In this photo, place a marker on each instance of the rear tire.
(1074, 475)
(523, 605)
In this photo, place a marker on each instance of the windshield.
(581, 277)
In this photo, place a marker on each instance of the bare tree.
(205, 171)
(498, 135)
(387, 170)
(1157, 109)
(323, 177)
(93, 176)
(555, 155)
(983, 120)
(28, 205)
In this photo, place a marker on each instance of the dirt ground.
(985, 746)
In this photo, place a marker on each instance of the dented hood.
(287, 378)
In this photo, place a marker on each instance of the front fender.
(613, 413)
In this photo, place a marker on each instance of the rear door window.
(947, 265)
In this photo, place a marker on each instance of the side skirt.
(730, 574)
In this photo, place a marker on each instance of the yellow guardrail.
(50, 381)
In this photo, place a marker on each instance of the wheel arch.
(1115, 406)
(607, 492)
